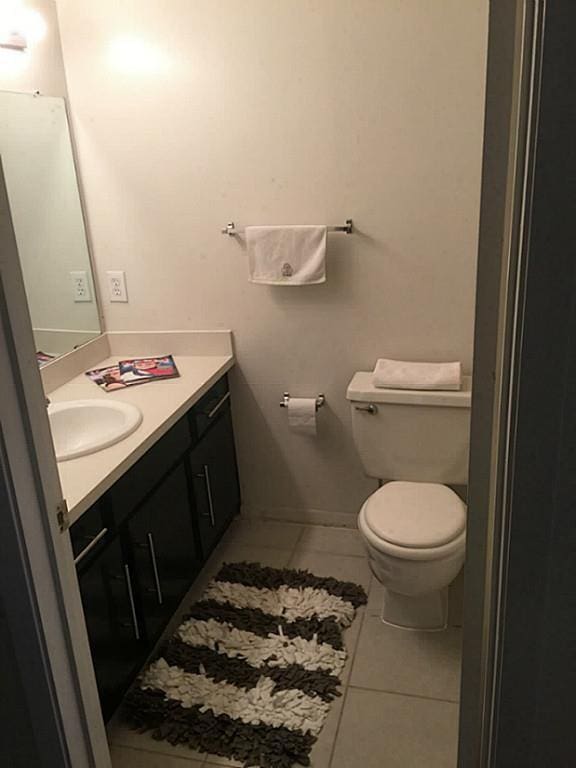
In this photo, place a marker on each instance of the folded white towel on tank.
(398, 374)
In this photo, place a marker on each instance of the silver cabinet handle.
(155, 568)
(205, 475)
(368, 408)
(91, 546)
(132, 603)
(218, 405)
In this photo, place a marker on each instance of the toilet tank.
(416, 435)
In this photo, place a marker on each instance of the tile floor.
(400, 689)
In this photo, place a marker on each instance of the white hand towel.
(294, 255)
(396, 374)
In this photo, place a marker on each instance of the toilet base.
(428, 613)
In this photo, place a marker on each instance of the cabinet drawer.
(136, 484)
(209, 408)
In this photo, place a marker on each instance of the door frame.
(511, 124)
(43, 600)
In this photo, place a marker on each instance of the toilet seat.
(414, 521)
(420, 515)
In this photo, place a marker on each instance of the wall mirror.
(38, 163)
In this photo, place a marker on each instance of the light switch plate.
(117, 285)
(80, 286)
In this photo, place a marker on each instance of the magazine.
(142, 369)
(128, 373)
(43, 358)
(107, 378)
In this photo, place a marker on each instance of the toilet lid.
(415, 515)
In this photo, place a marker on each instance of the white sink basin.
(80, 427)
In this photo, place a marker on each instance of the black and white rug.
(251, 671)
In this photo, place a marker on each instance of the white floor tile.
(124, 740)
(264, 533)
(380, 729)
(416, 663)
(336, 541)
(341, 567)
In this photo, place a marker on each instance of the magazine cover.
(143, 369)
(129, 373)
(43, 358)
(107, 378)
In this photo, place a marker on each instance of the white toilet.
(414, 526)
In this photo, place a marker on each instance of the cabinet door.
(166, 553)
(114, 629)
(215, 479)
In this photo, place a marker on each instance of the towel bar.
(348, 228)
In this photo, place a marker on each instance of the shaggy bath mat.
(251, 671)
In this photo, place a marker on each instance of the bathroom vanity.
(146, 512)
(139, 547)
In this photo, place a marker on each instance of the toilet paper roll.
(302, 414)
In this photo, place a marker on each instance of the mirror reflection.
(38, 163)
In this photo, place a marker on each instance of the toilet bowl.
(414, 534)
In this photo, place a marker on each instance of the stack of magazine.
(128, 373)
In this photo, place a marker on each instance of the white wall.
(41, 67)
(189, 113)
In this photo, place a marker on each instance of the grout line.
(295, 547)
(348, 686)
(401, 693)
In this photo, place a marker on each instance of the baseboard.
(301, 515)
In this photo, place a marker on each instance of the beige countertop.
(162, 403)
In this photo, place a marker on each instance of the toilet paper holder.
(320, 400)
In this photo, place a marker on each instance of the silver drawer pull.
(205, 475)
(218, 405)
(94, 541)
(368, 408)
(135, 626)
(155, 568)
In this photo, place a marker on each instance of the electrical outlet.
(80, 286)
(117, 285)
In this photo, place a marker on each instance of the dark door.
(524, 461)
(535, 708)
(166, 553)
(115, 631)
(215, 481)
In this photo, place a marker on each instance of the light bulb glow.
(20, 27)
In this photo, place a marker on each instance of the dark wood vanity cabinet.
(215, 482)
(112, 621)
(140, 547)
(165, 552)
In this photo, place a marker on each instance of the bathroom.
(142, 143)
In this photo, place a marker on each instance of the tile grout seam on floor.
(403, 693)
(347, 686)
